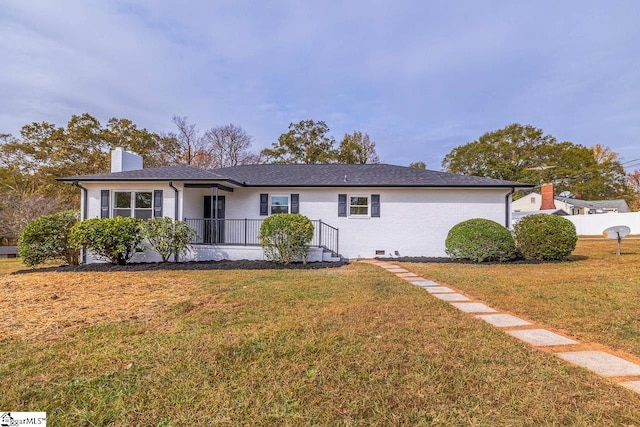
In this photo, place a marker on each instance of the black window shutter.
(157, 204)
(375, 206)
(295, 203)
(342, 205)
(264, 204)
(104, 203)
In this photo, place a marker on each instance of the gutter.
(85, 206)
(507, 206)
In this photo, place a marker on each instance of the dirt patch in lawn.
(46, 305)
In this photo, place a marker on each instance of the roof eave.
(88, 179)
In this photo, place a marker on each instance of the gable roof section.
(322, 175)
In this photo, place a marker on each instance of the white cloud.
(419, 77)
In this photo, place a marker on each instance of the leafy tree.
(306, 142)
(357, 148)
(634, 183)
(168, 237)
(44, 152)
(418, 165)
(30, 163)
(526, 154)
(155, 150)
(286, 237)
(115, 240)
(48, 238)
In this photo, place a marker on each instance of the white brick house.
(359, 211)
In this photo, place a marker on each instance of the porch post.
(215, 216)
(212, 219)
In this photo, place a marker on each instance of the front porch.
(234, 233)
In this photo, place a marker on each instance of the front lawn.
(595, 297)
(347, 346)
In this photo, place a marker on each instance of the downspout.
(85, 205)
(175, 213)
(507, 208)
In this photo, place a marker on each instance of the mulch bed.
(195, 265)
(445, 260)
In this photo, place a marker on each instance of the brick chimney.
(547, 197)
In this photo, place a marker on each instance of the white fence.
(591, 225)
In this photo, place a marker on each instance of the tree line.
(31, 161)
(524, 153)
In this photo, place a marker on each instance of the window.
(122, 201)
(279, 204)
(533, 200)
(141, 201)
(359, 206)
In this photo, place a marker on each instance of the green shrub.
(480, 240)
(47, 238)
(286, 237)
(545, 237)
(168, 237)
(112, 239)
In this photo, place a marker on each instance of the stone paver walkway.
(607, 365)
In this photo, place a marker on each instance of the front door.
(214, 225)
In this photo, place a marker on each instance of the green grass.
(594, 297)
(349, 346)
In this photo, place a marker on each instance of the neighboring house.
(359, 211)
(8, 251)
(588, 207)
(533, 202)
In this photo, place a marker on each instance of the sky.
(420, 77)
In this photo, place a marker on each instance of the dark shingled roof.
(341, 175)
(167, 173)
(323, 175)
(619, 204)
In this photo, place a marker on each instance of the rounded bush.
(545, 237)
(113, 239)
(168, 237)
(286, 237)
(480, 240)
(48, 238)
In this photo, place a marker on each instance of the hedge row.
(60, 236)
(535, 237)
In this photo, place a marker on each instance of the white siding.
(168, 195)
(413, 222)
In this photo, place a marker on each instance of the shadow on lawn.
(199, 265)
